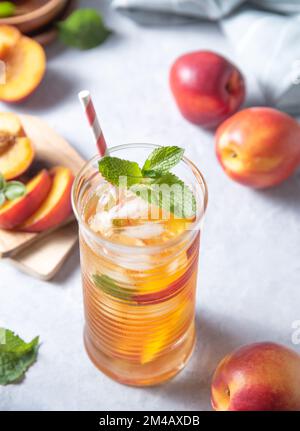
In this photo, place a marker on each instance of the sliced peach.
(15, 212)
(25, 67)
(17, 158)
(10, 123)
(56, 208)
(9, 36)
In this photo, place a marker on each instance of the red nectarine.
(262, 376)
(207, 87)
(259, 147)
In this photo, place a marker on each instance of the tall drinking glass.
(139, 281)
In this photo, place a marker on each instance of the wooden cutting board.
(45, 257)
(51, 150)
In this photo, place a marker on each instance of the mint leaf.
(2, 198)
(83, 29)
(10, 190)
(2, 182)
(169, 193)
(154, 183)
(113, 168)
(111, 287)
(14, 190)
(16, 356)
(14, 344)
(161, 160)
(7, 9)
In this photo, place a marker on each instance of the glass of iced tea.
(139, 273)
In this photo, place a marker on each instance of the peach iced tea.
(139, 270)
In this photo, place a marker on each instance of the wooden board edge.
(40, 235)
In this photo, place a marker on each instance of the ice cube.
(101, 222)
(123, 239)
(114, 205)
(144, 231)
(130, 207)
(108, 197)
(145, 263)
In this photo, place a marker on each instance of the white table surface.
(249, 274)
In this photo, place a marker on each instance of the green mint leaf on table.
(112, 168)
(7, 9)
(161, 160)
(83, 29)
(16, 356)
(110, 287)
(14, 190)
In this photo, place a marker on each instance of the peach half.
(25, 65)
(9, 36)
(15, 212)
(10, 123)
(56, 208)
(17, 156)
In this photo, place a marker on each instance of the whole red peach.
(207, 87)
(259, 147)
(257, 377)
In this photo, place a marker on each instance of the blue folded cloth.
(209, 9)
(266, 34)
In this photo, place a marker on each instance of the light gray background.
(249, 274)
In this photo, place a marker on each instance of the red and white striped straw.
(88, 106)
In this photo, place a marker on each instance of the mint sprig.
(113, 168)
(179, 199)
(83, 29)
(16, 356)
(161, 160)
(153, 183)
(10, 190)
